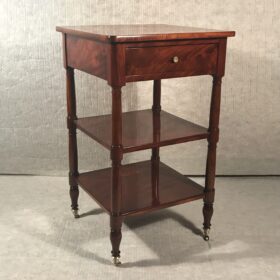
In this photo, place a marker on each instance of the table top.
(142, 32)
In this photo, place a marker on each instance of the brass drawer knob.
(175, 59)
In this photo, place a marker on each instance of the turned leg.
(213, 138)
(72, 140)
(115, 219)
(156, 117)
(116, 157)
(155, 158)
(116, 237)
(74, 195)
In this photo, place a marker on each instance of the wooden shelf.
(146, 186)
(142, 130)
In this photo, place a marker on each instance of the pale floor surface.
(39, 238)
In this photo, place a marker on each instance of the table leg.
(155, 158)
(72, 139)
(156, 112)
(211, 157)
(116, 156)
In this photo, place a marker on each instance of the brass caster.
(76, 213)
(116, 261)
(206, 234)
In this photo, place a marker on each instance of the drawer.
(170, 61)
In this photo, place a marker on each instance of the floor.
(39, 238)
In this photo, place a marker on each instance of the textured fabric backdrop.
(33, 136)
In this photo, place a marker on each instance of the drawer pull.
(175, 59)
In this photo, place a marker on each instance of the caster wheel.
(116, 261)
(76, 213)
(206, 234)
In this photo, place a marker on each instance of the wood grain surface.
(142, 32)
(137, 188)
(138, 130)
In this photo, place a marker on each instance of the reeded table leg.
(211, 157)
(73, 151)
(116, 157)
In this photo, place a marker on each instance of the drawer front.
(170, 61)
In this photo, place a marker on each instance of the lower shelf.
(145, 187)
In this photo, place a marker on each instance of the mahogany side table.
(128, 53)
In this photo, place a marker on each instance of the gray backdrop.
(33, 136)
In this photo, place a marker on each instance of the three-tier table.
(121, 54)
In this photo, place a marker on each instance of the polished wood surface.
(88, 56)
(142, 32)
(122, 63)
(199, 59)
(137, 188)
(138, 130)
(126, 53)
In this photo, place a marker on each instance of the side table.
(128, 53)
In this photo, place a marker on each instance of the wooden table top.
(142, 32)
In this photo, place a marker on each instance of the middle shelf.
(142, 130)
